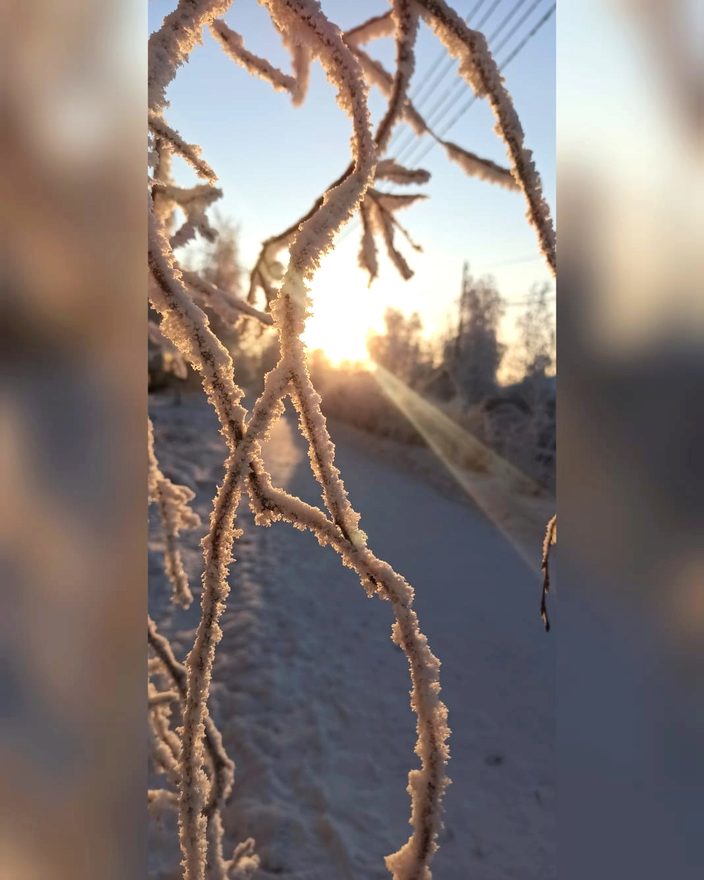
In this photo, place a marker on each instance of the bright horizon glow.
(339, 330)
(344, 311)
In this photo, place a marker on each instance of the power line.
(530, 258)
(516, 51)
(450, 97)
(458, 85)
(480, 24)
(548, 15)
(511, 57)
(518, 25)
(415, 94)
(409, 136)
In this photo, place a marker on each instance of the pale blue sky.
(273, 160)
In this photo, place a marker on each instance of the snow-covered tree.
(535, 352)
(220, 262)
(401, 349)
(474, 353)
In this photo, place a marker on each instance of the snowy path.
(312, 696)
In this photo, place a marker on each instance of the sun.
(339, 330)
(343, 313)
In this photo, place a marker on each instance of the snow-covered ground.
(312, 696)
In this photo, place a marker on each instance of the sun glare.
(344, 311)
(339, 332)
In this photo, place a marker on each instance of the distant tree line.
(505, 395)
(516, 417)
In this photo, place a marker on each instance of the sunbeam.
(512, 501)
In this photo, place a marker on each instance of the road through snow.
(312, 696)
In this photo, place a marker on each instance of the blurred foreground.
(630, 439)
(630, 607)
(72, 452)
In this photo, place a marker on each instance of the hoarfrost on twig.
(176, 515)
(548, 541)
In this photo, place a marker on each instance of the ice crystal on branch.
(548, 541)
(176, 515)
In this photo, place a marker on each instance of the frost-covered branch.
(160, 801)
(189, 152)
(427, 785)
(325, 42)
(470, 163)
(378, 216)
(200, 828)
(372, 29)
(221, 767)
(477, 166)
(224, 304)
(296, 84)
(367, 251)
(244, 862)
(161, 698)
(378, 76)
(194, 202)
(187, 326)
(176, 515)
(405, 18)
(386, 227)
(389, 169)
(170, 46)
(549, 539)
(300, 63)
(165, 744)
(233, 44)
(480, 71)
(172, 359)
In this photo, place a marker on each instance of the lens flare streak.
(517, 505)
